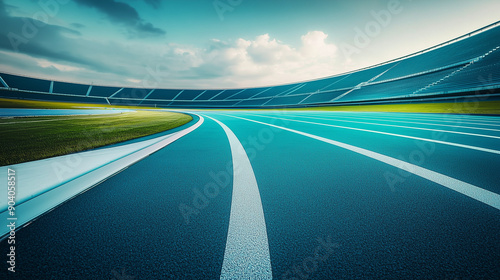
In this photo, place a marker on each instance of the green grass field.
(480, 107)
(33, 138)
(17, 103)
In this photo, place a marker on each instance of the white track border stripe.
(443, 119)
(490, 198)
(406, 122)
(398, 135)
(455, 118)
(247, 248)
(48, 200)
(401, 126)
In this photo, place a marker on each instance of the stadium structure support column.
(3, 82)
(89, 90)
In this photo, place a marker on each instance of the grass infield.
(18, 103)
(33, 138)
(478, 107)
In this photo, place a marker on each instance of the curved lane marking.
(397, 135)
(399, 120)
(247, 250)
(408, 127)
(50, 199)
(487, 197)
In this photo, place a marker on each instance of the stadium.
(387, 171)
(465, 67)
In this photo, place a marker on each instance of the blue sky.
(221, 43)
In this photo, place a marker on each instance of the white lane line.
(426, 116)
(399, 135)
(406, 122)
(47, 200)
(448, 117)
(401, 126)
(443, 119)
(487, 197)
(247, 249)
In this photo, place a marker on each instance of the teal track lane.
(312, 190)
(330, 212)
(132, 220)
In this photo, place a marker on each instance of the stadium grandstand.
(464, 67)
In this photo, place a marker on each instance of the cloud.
(263, 50)
(123, 13)
(261, 61)
(77, 25)
(61, 53)
(314, 45)
(57, 44)
(26, 35)
(154, 3)
(222, 64)
(19, 63)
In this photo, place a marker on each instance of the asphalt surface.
(344, 196)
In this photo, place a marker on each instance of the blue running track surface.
(287, 195)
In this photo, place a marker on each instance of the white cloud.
(258, 62)
(314, 45)
(135, 81)
(61, 67)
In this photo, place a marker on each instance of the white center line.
(247, 249)
(490, 198)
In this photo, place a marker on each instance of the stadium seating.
(356, 78)
(25, 83)
(209, 94)
(226, 94)
(324, 97)
(164, 94)
(285, 100)
(279, 90)
(397, 88)
(458, 67)
(483, 73)
(251, 102)
(188, 94)
(50, 97)
(457, 52)
(248, 93)
(69, 88)
(133, 93)
(320, 85)
(103, 91)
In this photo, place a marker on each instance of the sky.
(214, 44)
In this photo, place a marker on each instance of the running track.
(288, 195)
